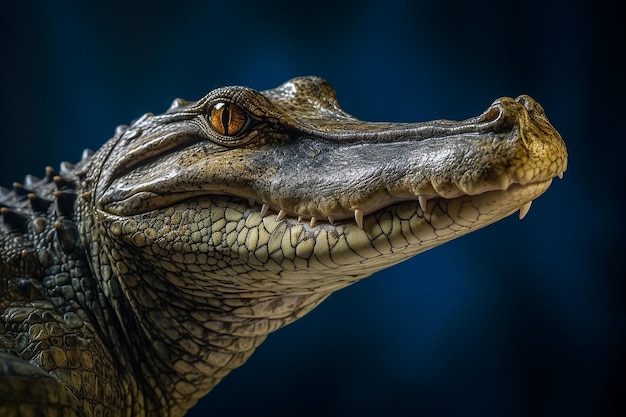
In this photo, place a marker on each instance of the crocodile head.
(233, 215)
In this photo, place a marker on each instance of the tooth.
(331, 220)
(300, 219)
(560, 175)
(423, 200)
(281, 215)
(524, 209)
(358, 217)
(264, 209)
(313, 222)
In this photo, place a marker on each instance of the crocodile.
(134, 280)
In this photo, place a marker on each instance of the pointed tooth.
(331, 220)
(300, 219)
(423, 200)
(560, 175)
(264, 209)
(524, 209)
(313, 221)
(281, 215)
(358, 217)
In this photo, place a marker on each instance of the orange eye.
(228, 119)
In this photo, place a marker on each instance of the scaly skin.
(133, 282)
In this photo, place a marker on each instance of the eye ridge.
(228, 119)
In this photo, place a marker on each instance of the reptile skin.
(132, 282)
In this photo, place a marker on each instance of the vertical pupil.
(226, 117)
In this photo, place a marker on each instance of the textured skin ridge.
(54, 315)
(132, 282)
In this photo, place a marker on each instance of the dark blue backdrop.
(521, 318)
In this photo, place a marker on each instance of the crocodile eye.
(227, 119)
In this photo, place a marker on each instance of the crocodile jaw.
(226, 248)
(311, 189)
(339, 175)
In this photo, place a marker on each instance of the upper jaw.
(335, 170)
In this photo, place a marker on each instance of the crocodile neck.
(179, 344)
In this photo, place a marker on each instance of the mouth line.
(424, 203)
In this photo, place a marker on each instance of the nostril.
(530, 104)
(491, 114)
(527, 101)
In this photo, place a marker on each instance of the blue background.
(521, 318)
